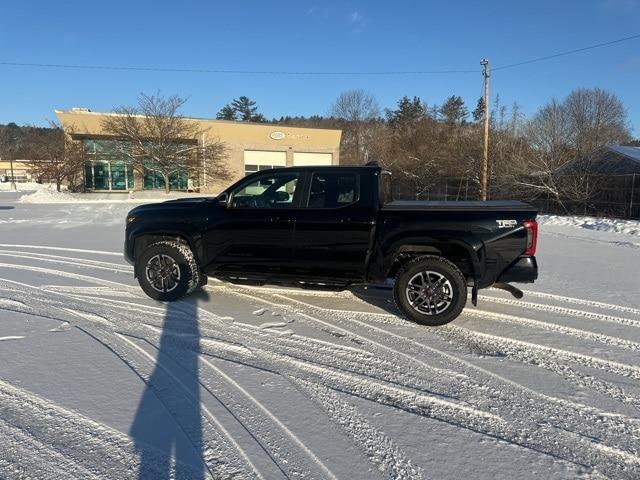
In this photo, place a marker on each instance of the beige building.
(250, 147)
(21, 170)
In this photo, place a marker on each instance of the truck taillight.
(532, 237)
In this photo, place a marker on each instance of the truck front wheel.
(167, 270)
(430, 290)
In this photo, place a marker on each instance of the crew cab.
(333, 227)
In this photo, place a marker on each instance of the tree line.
(422, 143)
(419, 142)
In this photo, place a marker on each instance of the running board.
(516, 292)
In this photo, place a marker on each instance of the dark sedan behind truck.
(334, 227)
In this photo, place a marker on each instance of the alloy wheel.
(429, 293)
(163, 273)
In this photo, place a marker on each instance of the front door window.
(267, 191)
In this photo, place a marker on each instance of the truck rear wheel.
(430, 290)
(167, 271)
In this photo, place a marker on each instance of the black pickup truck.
(332, 227)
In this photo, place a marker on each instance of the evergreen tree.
(245, 109)
(408, 112)
(453, 110)
(226, 113)
(259, 118)
(478, 113)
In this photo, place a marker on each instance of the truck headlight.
(130, 219)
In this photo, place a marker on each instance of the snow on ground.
(51, 195)
(99, 381)
(48, 195)
(629, 227)
(24, 187)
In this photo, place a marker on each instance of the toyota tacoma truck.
(334, 227)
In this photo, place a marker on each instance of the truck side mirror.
(282, 196)
(223, 199)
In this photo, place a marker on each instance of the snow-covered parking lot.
(99, 381)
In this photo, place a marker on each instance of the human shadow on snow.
(168, 424)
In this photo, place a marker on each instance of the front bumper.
(523, 270)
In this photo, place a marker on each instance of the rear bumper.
(523, 270)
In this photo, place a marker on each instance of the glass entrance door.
(101, 176)
(118, 176)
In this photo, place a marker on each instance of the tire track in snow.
(93, 318)
(257, 420)
(215, 446)
(143, 371)
(551, 359)
(61, 249)
(93, 446)
(569, 374)
(113, 267)
(390, 460)
(401, 394)
(215, 439)
(564, 310)
(586, 360)
(581, 301)
(22, 456)
(545, 452)
(619, 431)
(74, 276)
(553, 327)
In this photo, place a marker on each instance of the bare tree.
(154, 136)
(548, 134)
(563, 136)
(55, 156)
(596, 118)
(360, 111)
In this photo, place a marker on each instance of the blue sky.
(310, 35)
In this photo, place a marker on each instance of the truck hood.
(172, 205)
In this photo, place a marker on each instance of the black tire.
(184, 271)
(445, 280)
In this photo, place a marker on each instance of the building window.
(248, 169)
(103, 169)
(107, 169)
(256, 160)
(177, 181)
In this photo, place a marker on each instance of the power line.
(236, 72)
(568, 52)
(308, 73)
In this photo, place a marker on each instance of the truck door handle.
(280, 220)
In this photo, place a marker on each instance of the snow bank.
(628, 227)
(23, 187)
(49, 195)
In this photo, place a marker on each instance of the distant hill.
(14, 140)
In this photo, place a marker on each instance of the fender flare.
(191, 235)
(472, 246)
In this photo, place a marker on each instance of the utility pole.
(13, 178)
(484, 174)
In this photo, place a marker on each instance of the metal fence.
(614, 195)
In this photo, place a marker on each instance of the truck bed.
(460, 206)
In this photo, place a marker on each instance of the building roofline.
(200, 119)
(615, 148)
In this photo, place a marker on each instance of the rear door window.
(333, 190)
